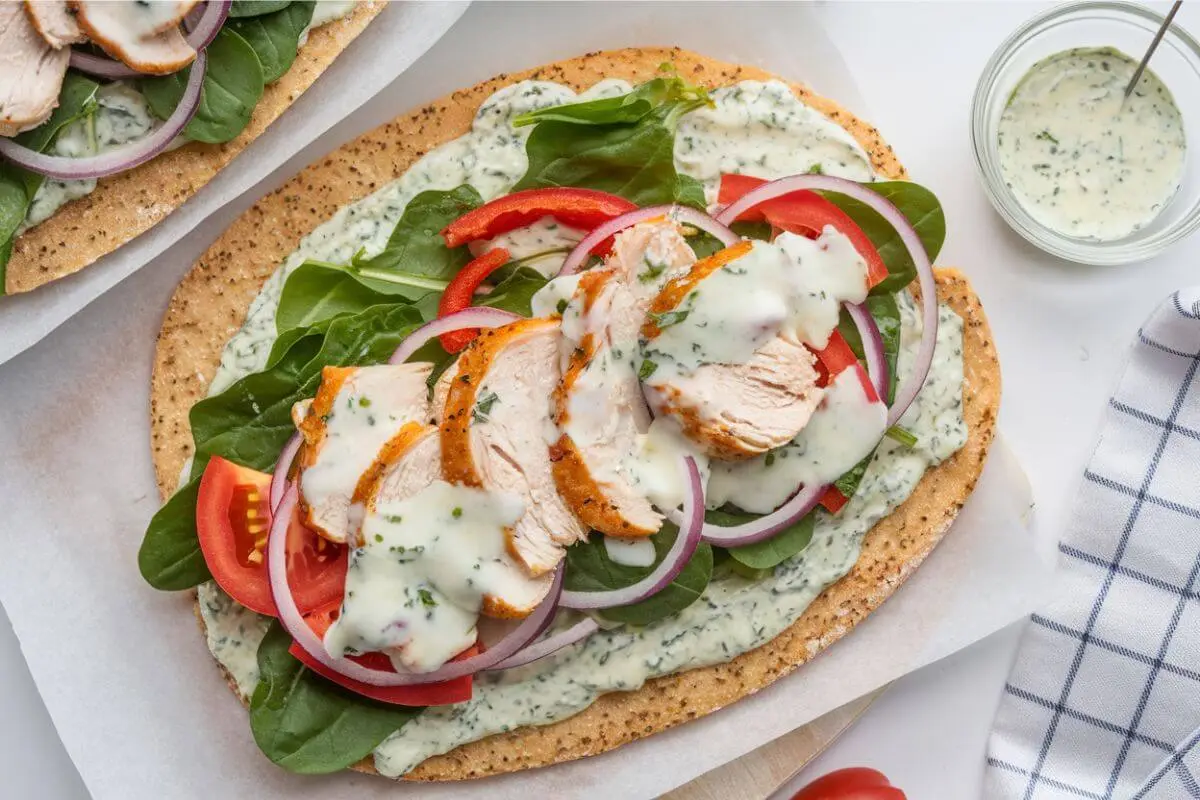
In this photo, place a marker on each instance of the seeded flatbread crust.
(127, 205)
(211, 303)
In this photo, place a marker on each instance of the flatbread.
(126, 205)
(211, 303)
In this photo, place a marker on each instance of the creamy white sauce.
(630, 552)
(555, 296)
(762, 129)
(842, 431)
(1080, 157)
(370, 407)
(543, 246)
(828, 272)
(122, 116)
(653, 468)
(415, 587)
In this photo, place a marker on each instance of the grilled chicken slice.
(138, 34)
(598, 405)
(414, 462)
(31, 71)
(740, 384)
(496, 431)
(54, 22)
(348, 429)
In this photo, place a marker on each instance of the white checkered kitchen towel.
(1104, 698)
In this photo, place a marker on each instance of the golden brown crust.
(126, 205)
(211, 303)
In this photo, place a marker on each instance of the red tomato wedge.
(831, 361)
(232, 522)
(852, 783)
(433, 694)
(461, 291)
(579, 208)
(807, 214)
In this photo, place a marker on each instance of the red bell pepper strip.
(461, 291)
(831, 361)
(805, 213)
(579, 208)
(430, 694)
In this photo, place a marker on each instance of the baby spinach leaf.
(317, 291)
(233, 85)
(275, 36)
(253, 8)
(623, 145)
(307, 724)
(515, 293)
(416, 245)
(590, 569)
(76, 99)
(848, 483)
(770, 552)
(170, 557)
(920, 206)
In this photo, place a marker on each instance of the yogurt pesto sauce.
(733, 615)
(122, 116)
(1082, 159)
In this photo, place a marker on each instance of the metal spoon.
(1137, 73)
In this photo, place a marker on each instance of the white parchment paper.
(122, 669)
(392, 42)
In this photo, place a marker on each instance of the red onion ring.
(872, 342)
(293, 621)
(101, 66)
(207, 24)
(279, 479)
(577, 632)
(765, 526)
(685, 544)
(474, 317)
(685, 214)
(123, 158)
(907, 391)
(205, 30)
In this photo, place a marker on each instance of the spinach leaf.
(233, 85)
(623, 145)
(515, 293)
(416, 245)
(769, 552)
(170, 557)
(14, 200)
(307, 724)
(590, 569)
(253, 8)
(848, 483)
(275, 36)
(249, 422)
(317, 291)
(76, 99)
(919, 206)
(886, 314)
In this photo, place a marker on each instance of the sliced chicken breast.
(496, 432)
(138, 34)
(741, 383)
(411, 465)
(54, 22)
(31, 71)
(356, 420)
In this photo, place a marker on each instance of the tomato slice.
(578, 208)
(461, 291)
(433, 694)
(805, 213)
(852, 783)
(233, 519)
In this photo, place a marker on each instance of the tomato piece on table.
(433, 694)
(805, 213)
(461, 291)
(852, 783)
(233, 519)
(578, 208)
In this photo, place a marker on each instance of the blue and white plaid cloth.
(1104, 698)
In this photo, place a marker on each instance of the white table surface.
(1062, 332)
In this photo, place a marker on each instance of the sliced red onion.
(123, 158)
(551, 644)
(872, 342)
(907, 391)
(691, 523)
(684, 214)
(205, 30)
(293, 621)
(474, 317)
(279, 479)
(101, 66)
(765, 526)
